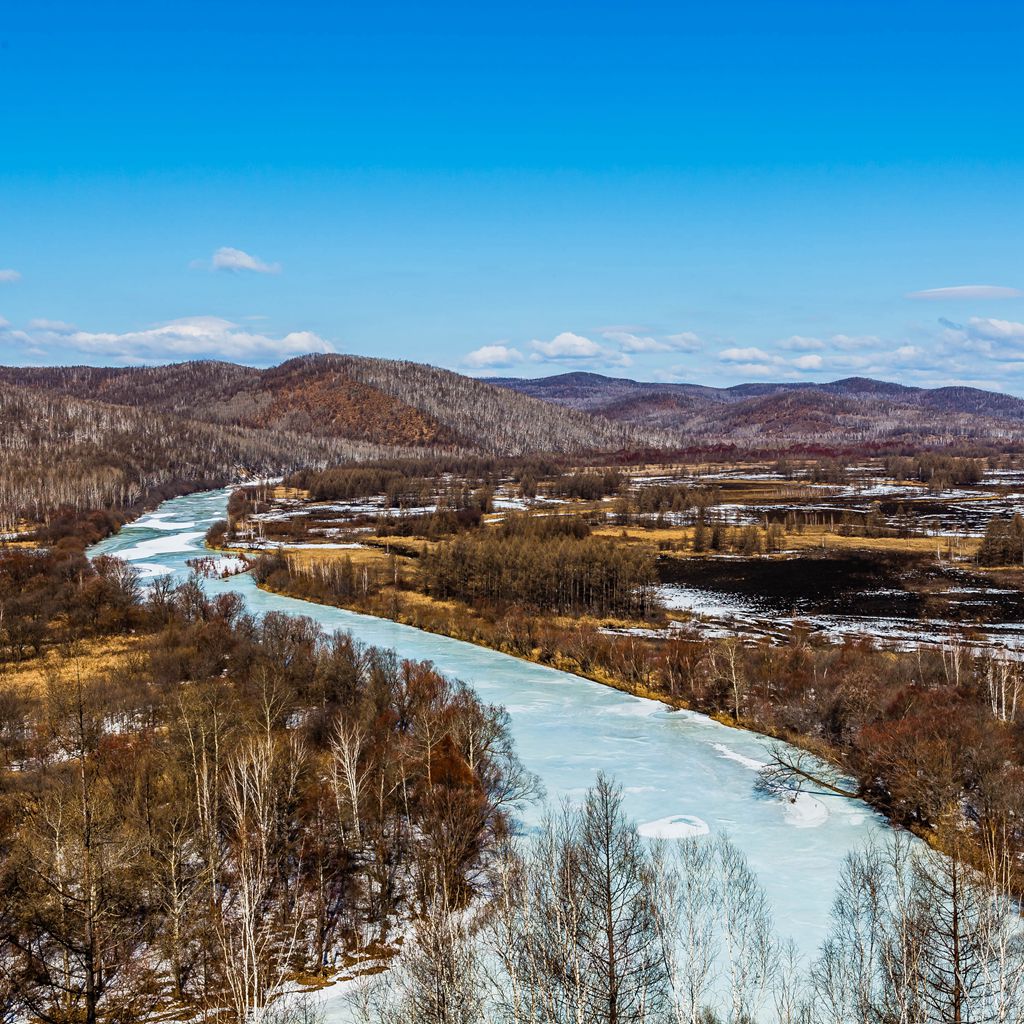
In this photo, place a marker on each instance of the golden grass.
(290, 493)
(812, 538)
(83, 657)
(821, 538)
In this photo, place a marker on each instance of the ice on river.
(677, 768)
(170, 544)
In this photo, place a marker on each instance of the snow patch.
(803, 810)
(160, 546)
(748, 762)
(676, 826)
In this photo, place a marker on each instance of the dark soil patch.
(850, 584)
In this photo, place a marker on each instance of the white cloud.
(905, 352)
(9, 276)
(745, 356)
(758, 361)
(567, 346)
(187, 338)
(492, 357)
(234, 260)
(808, 362)
(995, 330)
(967, 291)
(685, 341)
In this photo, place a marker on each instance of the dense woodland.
(77, 456)
(346, 397)
(1003, 543)
(234, 802)
(545, 564)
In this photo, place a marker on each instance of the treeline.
(544, 570)
(589, 485)
(371, 477)
(237, 802)
(652, 498)
(587, 922)
(936, 470)
(939, 472)
(1003, 542)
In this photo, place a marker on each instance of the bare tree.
(438, 978)
(686, 899)
(260, 920)
(748, 937)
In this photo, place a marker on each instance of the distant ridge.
(402, 406)
(854, 410)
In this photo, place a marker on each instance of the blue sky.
(713, 192)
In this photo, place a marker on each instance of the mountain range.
(844, 413)
(87, 437)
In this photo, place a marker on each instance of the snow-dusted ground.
(716, 614)
(222, 565)
(709, 603)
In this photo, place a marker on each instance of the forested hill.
(63, 453)
(375, 400)
(850, 412)
(100, 438)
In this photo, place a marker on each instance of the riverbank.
(587, 648)
(678, 769)
(457, 621)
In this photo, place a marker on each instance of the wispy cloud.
(234, 260)
(492, 357)
(186, 338)
(967, 292)
(685, 341)
(629, 342)
(801, 343)
(647, 342)
(9, 276)
(56, 326)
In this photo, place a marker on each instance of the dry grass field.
(63, 662)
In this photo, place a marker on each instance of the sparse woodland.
(590, 923)
(233, 803)
(385, 402)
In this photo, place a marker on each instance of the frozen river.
(682, 773)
